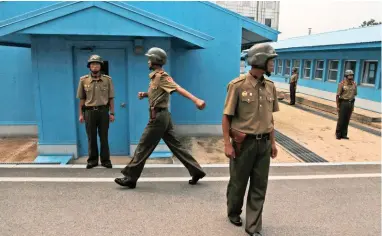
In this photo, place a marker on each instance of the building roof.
(371, 34)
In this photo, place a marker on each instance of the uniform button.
(260, 97)
(260, 105)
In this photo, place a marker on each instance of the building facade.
(323, 58)
(45, 47)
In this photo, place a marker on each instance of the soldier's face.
(350, 77)
(270, 65)
(95, 67)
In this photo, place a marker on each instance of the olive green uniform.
(347, 90)
(159, 127)
(250, 102)
(292, 88)
(96, 92)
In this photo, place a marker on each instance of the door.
(115, 66)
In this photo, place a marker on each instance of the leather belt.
(96, 108)
(265, 136)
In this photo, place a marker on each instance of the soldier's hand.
(229, 151)
(81, 119)
(200, 104)
(338, 109)
(112, 118)
(141, 95)
(274, 151)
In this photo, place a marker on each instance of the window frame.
(362, 75)
(320, 69)
(329, 70)
(285, 67)
(304, 68)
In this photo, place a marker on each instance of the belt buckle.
(95, 108)
(259, 136)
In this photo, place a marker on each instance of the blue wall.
(359, 55)
(16, 97)
(204, 72)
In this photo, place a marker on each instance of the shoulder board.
(84, 77)
(268, 80)
(107, 76)
(238, 79)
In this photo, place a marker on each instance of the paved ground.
(18, 149)
(73, 201)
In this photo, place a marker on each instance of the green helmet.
(157, 56)
(349, 72)
(295, 70)
(259, 54)
(95, 58)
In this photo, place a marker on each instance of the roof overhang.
(353, 46)
(30, 23)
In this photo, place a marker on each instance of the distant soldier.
(160, 125)
(347, 90)
(293, 86)
(96, 94)
(248, 120)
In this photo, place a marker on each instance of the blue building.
(323, 58)
(45, 47)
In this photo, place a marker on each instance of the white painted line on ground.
(181, 179)
(82, 166)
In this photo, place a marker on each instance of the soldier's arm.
(276, 108)
(229, 111)
(81, 95)
(111, 96)
(339, 90)
(170, 86)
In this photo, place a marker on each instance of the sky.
(323, 16)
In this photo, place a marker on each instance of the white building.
(265, 12)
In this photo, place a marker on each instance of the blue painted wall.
(16, 97)
(365, 92)
(205, 72)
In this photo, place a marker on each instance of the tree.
(370, 22)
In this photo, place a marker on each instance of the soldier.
(160, 124)
(347, 90)
(96, 94)
(293, 86)
(248, 121)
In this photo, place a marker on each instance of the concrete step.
(360, 115)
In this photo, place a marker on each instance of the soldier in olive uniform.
(160, 125)
(96, 94)
(347, 90)
(293, 86)
(248, 121)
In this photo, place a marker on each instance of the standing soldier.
(96, 94)
(248, 120)
(293, 86)
(347, 90)
(160, 124)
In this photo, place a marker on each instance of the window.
(296, 64)
(307, 67)
(333, 70)
(269, 4)
(242, 67)
(319, 69)
(279, 67)
(369, 72)
(350, 65)
(105, 68)
(287, 67)
(268, 22)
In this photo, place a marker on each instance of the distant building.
(323, 58)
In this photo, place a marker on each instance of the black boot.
(126, 182)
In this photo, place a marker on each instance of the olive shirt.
(160, 87)
(293, 78)
(347, 89)
(251, 102)
(95, 92)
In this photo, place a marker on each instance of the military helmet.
(295, 69)
(157, 56)
(349, 72)
(259, 54)
(95, 58)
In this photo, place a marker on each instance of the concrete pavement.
(343, 203)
